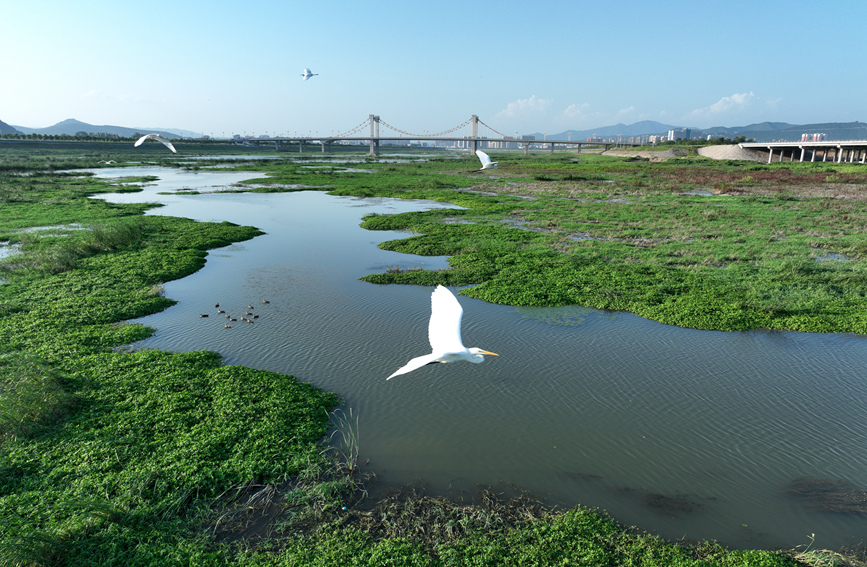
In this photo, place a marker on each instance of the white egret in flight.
(486, 160)
(157, 137)
(307, 74)
(444, 334)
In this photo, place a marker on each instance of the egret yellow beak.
(488, 352)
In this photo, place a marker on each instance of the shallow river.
(688, 434)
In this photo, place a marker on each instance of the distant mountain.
(757, 127)
(72, 127)
(637, 129)
(7, 129)
(781, 131)
(761, 132)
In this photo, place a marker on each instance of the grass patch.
(156, 458)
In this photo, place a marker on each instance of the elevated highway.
(839, 151)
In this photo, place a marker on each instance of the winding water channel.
(688, 434)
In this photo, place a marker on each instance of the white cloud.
(101, 95)
(625, 113)
(582, 116)
(576, 110)
(726, 104)
(525, 106)
(579, 116)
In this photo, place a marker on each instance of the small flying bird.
(307, 74)
(444, 334)
(157, 137)
(486, 161)
(109, 162)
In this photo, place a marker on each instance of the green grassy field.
(689, 242)
(109, 457)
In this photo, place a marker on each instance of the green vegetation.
(694, 243)
(683, 142)
(154, 458)
(689, 242)
(110, 456)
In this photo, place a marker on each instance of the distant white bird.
(109, 162)
(157, 137)
(486, 160)
(307, 74)
(444, 334)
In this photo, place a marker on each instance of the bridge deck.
(850, 151)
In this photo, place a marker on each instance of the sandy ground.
(731, 152)
(651, 155)
(713, 152)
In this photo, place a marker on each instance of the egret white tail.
(444, 334)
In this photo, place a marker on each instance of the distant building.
(679, 133)
(813, 137)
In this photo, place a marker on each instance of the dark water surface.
(688, 434)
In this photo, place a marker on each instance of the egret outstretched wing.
(168, 144)
(415, 364)
(157, 137)
(444, 329)
(486, 160)
(444, 334)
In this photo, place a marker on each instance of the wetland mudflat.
(682, 432)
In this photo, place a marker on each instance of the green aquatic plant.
(344, 438)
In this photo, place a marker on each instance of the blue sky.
(222, 68)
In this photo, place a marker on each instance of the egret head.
(477, 354)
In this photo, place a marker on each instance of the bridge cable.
(458, 127)
(354, 130)
(492, 130)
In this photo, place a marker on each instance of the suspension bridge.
(369, 132)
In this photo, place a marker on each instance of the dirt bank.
(661, 155)
(731, 152)
(713, 152)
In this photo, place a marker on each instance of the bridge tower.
(374, 135)
(474, 145)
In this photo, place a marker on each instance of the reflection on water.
(688, 434)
